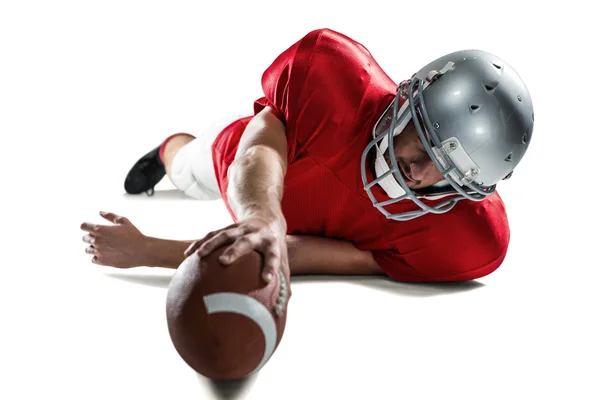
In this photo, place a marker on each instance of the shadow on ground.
(381, 283)
(168, 194)
(228, 390)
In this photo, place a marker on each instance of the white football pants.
(192, 169)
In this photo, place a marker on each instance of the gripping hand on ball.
(262, 234)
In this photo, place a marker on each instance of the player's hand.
(263, 234)
(120, 245)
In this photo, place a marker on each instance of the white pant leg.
(192, 169)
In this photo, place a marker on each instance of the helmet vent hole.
(474, 108)
(508, 157)
(497, 66)
(525, 138)
(490, 86)
(532, 117)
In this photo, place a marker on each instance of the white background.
(86, 88)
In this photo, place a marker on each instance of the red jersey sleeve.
(276, 84)
(467, 243)
(284, 83)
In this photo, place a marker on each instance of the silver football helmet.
(473, 114)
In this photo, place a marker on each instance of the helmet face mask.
(472, 113)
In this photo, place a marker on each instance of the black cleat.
(145, 174)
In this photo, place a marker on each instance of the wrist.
(271, 215)
(148, 255)
(163, 253)
(267, 210)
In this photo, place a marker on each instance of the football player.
(340, 170)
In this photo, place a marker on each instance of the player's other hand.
(119, 245)
(262, 234)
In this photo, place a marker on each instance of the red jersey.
(329, 92)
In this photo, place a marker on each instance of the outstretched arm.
(307, 255)
(254, 194)
(122, 245)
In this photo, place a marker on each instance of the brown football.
(224, 320)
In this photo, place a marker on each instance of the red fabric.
(329, 92)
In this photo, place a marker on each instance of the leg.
(152, 167)
(189, 165)
(170, 147)
(187, 160)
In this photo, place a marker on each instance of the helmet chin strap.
(389, 184)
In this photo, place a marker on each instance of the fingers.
(196, 245)
(99, 257)
(101, 240)
(96, 230)
(92, 228)
(272, 264)
(95, 252)
(89, 239)
(96, 260)
(248, 243)
(240, 247)
(114, 218)
(243, 238)
(93, 248)
(220, 239)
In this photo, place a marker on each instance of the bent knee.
(172, 145)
